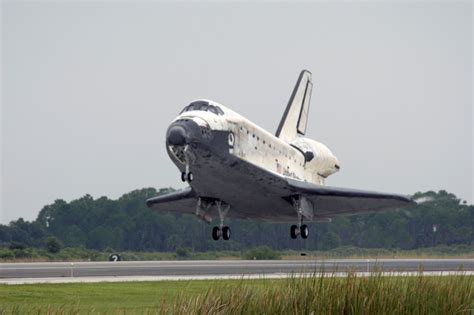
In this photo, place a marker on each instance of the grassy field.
(298, 295)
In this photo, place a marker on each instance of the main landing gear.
(304, 208)
(217, 232)
(302, 230)
(202, 211)
(221, 230)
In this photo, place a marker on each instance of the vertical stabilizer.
(293, 122)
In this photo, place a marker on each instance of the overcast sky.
(88, 90)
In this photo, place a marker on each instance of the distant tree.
(17, 245)
(5, 233)
(330, 240)
(74, 237)
(100, 237)
(128, 224)
(53, 245)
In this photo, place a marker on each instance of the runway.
(210, 269)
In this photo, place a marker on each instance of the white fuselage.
(257, 146)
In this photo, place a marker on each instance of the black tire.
(293, 231)
(304, 231)
(226, 233)
(190, 177)
(216, 233)
(183, 176)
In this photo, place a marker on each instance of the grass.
(95, 297)
(297, 295)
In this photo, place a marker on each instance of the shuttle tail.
(295, 117)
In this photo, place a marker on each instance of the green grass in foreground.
(298, 295)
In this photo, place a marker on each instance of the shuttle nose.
(177, 135)
(183, 132)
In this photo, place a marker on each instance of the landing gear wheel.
(226, 233)
(190, 177)
(304, 231)
(294, 231)
(183, 176)
(216, 233)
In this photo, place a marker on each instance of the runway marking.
(18, 281)
(119, 266)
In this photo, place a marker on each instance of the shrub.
(26, 253)
(53, 245)
(182, 252)
(261, 253)
(6, 253)
(17, 245)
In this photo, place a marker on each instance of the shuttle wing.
(271, 200)
(334, 201)
(181, 201)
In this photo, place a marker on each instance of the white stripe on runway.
(15, 281)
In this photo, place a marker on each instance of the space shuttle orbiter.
(235, 168)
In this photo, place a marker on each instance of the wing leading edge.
(333, 201)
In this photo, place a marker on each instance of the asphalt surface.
(225, 268)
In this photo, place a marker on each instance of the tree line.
(127, 224)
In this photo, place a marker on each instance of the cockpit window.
(203, 106)
(213, 109)
(219, 110)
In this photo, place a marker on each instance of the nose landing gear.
(189, 157)
(187, 177)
